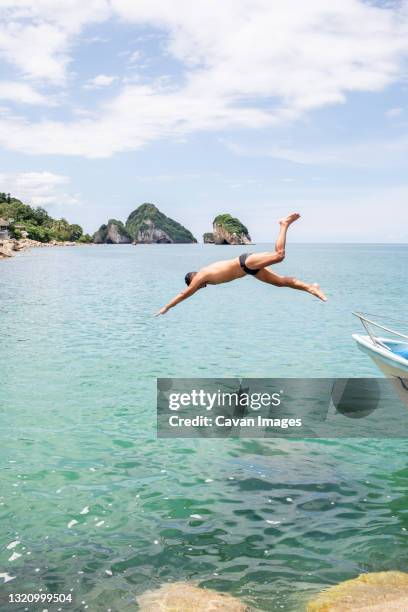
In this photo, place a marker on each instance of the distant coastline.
(23, 226)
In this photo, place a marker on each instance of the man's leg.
(261, 260)
(267, 276)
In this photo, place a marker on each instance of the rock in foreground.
(374, 592)
(112, 233)
(185, 597)
(229, 230)
(148, 225)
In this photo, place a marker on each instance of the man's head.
(189, 277)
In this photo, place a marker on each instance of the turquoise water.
(80, 351)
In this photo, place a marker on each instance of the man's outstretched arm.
(194, 286)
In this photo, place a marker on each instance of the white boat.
(387, 347)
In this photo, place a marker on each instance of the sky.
(253, 107)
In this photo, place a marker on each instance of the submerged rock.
(375, 592)
(229, 230)
(186, 597)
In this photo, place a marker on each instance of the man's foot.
(315, 290)
(289, 219)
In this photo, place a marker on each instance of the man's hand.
(197, 282)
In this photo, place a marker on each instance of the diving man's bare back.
(254, 264)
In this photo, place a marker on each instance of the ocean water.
(102, 509)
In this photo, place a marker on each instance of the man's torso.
(222, 271)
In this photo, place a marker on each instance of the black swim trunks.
(242, 260)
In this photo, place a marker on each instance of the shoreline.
(9, 247)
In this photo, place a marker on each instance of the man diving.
(254, 264)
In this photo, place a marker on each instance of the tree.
(75, 232)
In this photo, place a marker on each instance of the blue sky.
(253, 107)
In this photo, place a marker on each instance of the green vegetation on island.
(231, 224)
(37, 224)
(147, 224)
(227, 230)
(114, 232)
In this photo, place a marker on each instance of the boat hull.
(389, 363)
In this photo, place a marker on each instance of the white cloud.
(37, 51)
(38, 188)
(23, 93)
(135, 57)
(138, 115)
(303, 54)
(247, 64)
(35, 37)
(101, 80)
(364, 154)
(167, 178)
(391, 113)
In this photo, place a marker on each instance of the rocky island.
(227, 230)
(112, 233)
(145, 225)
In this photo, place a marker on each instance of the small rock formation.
(229, 230)
(112, 233)
(148, 225)
(374, 592)
(208, 238)
(186, 597)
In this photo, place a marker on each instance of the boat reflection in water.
(388, 348)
